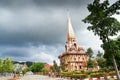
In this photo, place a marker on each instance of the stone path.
(5, 78)
(34, 77)
(39, 77)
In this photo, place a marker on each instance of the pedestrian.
(49, 74)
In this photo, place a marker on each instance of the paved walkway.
(39, 77)
(34, 77)
(5, 78)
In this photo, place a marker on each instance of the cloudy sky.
(35, 30)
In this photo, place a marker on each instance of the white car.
(29, 73)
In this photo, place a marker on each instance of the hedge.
(91, 74)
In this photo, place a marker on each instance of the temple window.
(75, 44)
(80, 67)
(83, 58)
(74, 58)
(75, 67)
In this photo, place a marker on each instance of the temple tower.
(74, 58)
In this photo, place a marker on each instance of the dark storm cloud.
(27, 28)
(35, 30)
(35, 21)
(15, 53)
(26, 36)
(50, 3)
(62, 3)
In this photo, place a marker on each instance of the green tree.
(115, 49)
(101, 62)
(1, 64)
(55, 67)
(89, 52)
(99, 54)
(90, 61)
(4, 66)
(104, 25)
(37, 67)
(7, 65)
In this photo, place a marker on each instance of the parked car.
(29, 73)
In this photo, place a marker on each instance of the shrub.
(66, 74)
(111, 73)
(98, 74)
(83, 75)
(79, 76)
(82, 71)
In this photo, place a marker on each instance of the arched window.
(83, 58)
(80, 67)
(75, 45)
(74, 58)
(75, 67)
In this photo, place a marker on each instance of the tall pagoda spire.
(70, 32)
(71, 44)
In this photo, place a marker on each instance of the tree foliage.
(99, 54)
(114, 46)
(101, 20)
(90, 61)
(6, 65)
(101, 62)
(104, 25)
(37, 67)
(1, 65)
(55, 67)
(89, 52)
(9, 64)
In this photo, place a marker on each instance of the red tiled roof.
(47, 67)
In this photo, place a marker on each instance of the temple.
(74, 58)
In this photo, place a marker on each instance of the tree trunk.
(116, 69)
(14, 75)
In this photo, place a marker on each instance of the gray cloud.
(54, 3)
(32, 29)
(27, 23)
(16, 53)
(20, 52)
(32, 53)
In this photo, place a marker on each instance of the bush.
(66, 74)
(77, 75)
(85, 74)
(82, 71)
(97, 74)
(111, 73)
